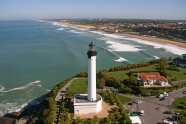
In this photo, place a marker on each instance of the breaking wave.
(74, 31)
(11, 107)
(2, 88)
(120, 59)
(156, 57)
(167, 47)
(115, 46)
(60, 29)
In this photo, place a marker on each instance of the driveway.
(154, 108)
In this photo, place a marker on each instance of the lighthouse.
(90, 102)
(91, 72)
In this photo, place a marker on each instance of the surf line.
(19, 88)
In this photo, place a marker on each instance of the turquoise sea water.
(35, 56)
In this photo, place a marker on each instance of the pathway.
(59, 99)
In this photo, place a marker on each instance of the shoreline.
(147, 38)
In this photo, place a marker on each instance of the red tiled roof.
(148, 73)
(146, 78)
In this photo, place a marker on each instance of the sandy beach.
(153, 39)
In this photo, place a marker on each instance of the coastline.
(147, 38)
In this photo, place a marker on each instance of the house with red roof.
(152, 78)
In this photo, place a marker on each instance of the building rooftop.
(83, 98)
(148, 73)
(146, 78)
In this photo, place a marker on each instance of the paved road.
(59, 99)
(154, 108)
(59, 94)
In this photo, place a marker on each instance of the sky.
(88, 9)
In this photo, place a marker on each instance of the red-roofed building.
(152, 78)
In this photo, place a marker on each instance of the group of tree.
(130, 66)
(117, 114)
(182, 117)
(174, 67)
(65, 116)
(45, 112)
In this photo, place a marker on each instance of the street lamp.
(177, 117)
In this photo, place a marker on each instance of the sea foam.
(74, 31)
(1, 88)
(156, 57)
(167, 47)
(60, 29)
(120, 59)
(115, 46)
(59, 24)
(19, 88)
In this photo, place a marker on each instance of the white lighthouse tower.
(91, 102)
(91, 72)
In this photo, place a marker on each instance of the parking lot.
(155, 110)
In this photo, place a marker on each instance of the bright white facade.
(84, 106)
(92, 78)
(91, 102)
(152, 78)
(135, 120)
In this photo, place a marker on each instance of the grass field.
(124, 99)
(79, 86)
(178, 74)
(120, 75)
(179, 103)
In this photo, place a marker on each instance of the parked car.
(162, 98)
(184, 92)
(142, 112)
(165, 94)
(137, 101)
(167, 112)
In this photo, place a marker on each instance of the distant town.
(171, 30)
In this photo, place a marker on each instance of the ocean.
(36, 56)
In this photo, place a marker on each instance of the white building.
(152, 78)
(135, 120)
(91, 102)
(180, 62)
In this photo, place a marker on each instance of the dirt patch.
(102, 114)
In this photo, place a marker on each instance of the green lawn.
(120, 75)
(178, 74)
(179, 103)
(79, 86)
(124, 99)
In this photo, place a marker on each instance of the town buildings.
(180, 62)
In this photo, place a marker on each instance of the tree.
(95, 119)
(163, 63)
(170, 58)
(112, 82)
(112, 117)
(101, 83)
(108, 120)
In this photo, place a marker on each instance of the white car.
(138, 101)
(184, 92)
(142, 112)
